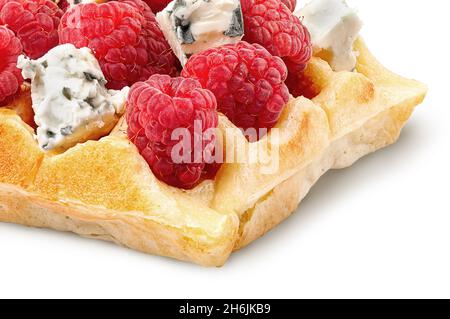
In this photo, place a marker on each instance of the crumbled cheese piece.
(70, 100)
(334, 27)
(191, 26)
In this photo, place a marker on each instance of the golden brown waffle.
(104, 189)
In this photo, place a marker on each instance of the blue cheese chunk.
(334, 27)
(192, 26)
(70, 100)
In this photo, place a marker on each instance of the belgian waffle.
(105, 190)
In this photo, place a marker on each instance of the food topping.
(163, 112)
(125, 38)
(193, 26)
(70, 100)
(247, 81)
(271, 24)
(35, 23)
(10, 77)
(334, 27)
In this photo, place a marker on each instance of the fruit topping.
(35, 23)
(247, 81)
(124, 37)
(10, 77)
(271, 24)
(172, 122)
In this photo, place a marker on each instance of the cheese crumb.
(70, 100)
(191, 26)
(334, 27)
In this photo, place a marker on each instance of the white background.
(378, 229)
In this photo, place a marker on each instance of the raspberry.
(158, 106)
(124, 37)
(35, 23)
(157, 5)
(10, 76)
(301, 84)
(247, 81)
(291, 4)
(271, 24)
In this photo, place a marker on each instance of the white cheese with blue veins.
(192, 26)
(70, 100)
(334, 27)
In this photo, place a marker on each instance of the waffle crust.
(105, 190)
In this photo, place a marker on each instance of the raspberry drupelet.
(247, 81)
(34, 22)
(64, 5)
(10, 76)
(290, 4)
(160, 105)
(124, 37)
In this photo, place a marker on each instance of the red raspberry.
(10, 76)
(158, 106)
(247, 81)
(157, 46)
(157, 5)
(271, 24)
(301, 84)
(291, 4)
(124, 37)
(35, 23)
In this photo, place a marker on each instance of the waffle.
(105, 190)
